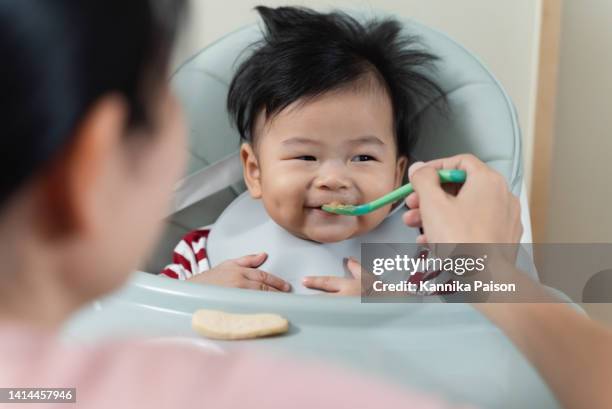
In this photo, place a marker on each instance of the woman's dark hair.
(305, 53)
(59, 57)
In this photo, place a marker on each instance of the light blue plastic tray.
(447, 349)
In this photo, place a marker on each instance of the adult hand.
(482, 211)
(243, 273)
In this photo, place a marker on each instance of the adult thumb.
(426, 182)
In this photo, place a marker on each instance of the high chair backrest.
(481, 120)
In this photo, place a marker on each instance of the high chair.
(446, 349)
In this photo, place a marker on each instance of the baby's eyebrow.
(300, 141)
(368, 139)
(362, 140)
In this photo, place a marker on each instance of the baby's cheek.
(372, 220)
(377, 185)
(287, 204)
(291, 215)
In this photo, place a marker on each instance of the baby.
(327, 108)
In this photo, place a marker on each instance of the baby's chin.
(325, 229)
(328, 234)
(324, 237)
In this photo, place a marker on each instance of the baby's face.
(338, 147)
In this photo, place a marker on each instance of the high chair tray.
(446, 349)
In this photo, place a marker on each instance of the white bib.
(244, 228)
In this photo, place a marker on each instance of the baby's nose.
(332, 178)
(331, 183)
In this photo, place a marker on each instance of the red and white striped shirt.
(189, 257)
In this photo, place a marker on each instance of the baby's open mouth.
(319, 209)
(320, 213)
(314, 207)
(335, 203)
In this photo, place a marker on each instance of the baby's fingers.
(328, 284)
(262, 278)
(256, 285)
(251, 260)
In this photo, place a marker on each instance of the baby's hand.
(338, 285)
(243, 273)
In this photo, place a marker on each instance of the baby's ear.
(400, 170)
(250, 170)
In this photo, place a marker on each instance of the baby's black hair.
(304, 54)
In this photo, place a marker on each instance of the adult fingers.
(412, 201)
(465, 161)
(426, 183)
(414, 167)
(413, 218)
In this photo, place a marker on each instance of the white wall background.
(581, 190)
(503, 33)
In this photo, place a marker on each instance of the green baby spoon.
(446, 176)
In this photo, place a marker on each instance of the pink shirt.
(148, 375)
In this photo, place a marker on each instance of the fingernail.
(287, 287)
(414, 167)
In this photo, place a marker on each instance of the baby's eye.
(363, 158)
(306, 157)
